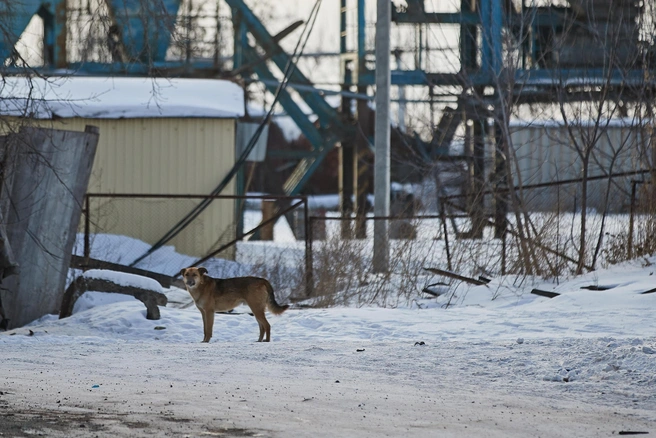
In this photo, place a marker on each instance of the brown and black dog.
(222, 294)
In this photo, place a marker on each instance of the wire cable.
(196, 211)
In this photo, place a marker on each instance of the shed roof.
(119, 97)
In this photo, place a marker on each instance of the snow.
(492, 360)
(89, 300)
(123, 279)
(120, 97)
(287, 125)
(289, 128)
(281, 229)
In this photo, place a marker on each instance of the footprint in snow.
(310, 323)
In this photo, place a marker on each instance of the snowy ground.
(582, 364)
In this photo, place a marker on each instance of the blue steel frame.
(491, 23)
(330, 130)
(146, 36)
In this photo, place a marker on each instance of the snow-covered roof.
(119, 97)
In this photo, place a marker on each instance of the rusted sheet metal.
(49, 182)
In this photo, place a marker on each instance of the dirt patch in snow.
(28, 423)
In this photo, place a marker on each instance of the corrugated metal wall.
(177, 155)
(162, 156)
(547, 153)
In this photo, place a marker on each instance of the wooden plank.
(544, 293)
(79, 262)
(455, 276)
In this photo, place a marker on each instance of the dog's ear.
(182, 271)
(202, 270)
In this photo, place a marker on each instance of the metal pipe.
(446, 234)
(382, 136)
(486, 40)
(496, 20)
(190, 196)
(87, 228)
(629, 248)
(362, 50)
(387, 218)
(309, 274)
(557, 183)
(342, 27)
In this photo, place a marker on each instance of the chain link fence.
(539, 243)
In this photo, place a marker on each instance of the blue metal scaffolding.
(142, 32)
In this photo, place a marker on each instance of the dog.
(223, 294)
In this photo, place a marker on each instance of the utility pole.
(382, 137)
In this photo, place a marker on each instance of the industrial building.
(157, 137)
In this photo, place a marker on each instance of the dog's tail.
(274, 307)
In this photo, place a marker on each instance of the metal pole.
(486, 40)
(402, 103)
(382, 136)
(446, 234)
(361, 161)
(477, 199)
(309, 282)
(87, 229)
(496, 22)
(631, 218)
(342, 27)
(362, 50)
(500, 182)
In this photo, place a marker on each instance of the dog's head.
(193, 276)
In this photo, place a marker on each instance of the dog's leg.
(209, 325)
(261, 331)
(202, 313)
(259, 323)
(265, 327)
